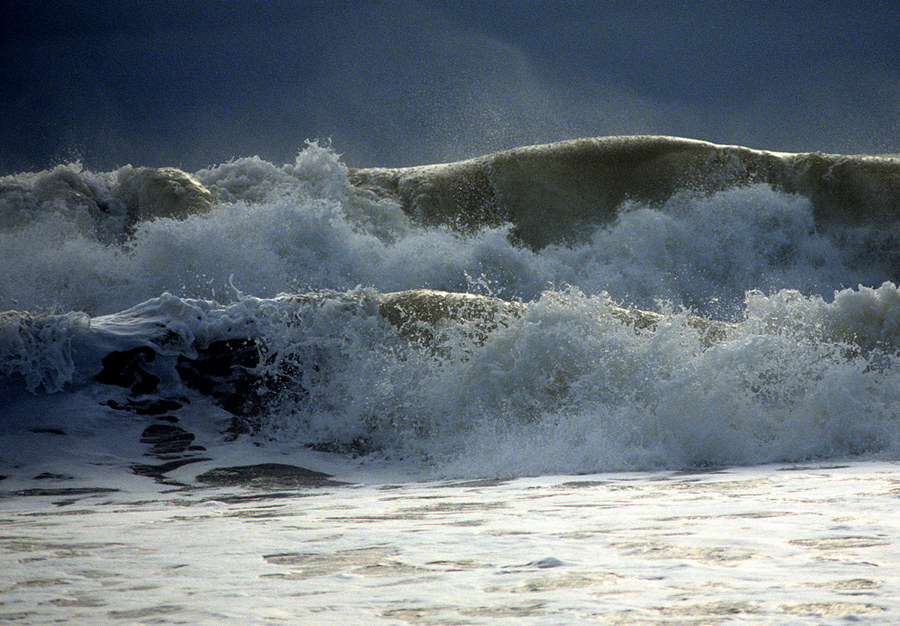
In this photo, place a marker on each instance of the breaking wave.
(600, 304)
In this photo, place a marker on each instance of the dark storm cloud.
(191, 84)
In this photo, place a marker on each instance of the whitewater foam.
(567, 383)
(732, 322)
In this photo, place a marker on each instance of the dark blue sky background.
(402, 82)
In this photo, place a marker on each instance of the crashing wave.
(551, 193)
(435, 373)
(107, 203)
(51, 352)
(700, 326)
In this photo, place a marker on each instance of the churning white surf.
(563, 386)
(805, 368)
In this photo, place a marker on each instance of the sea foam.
(731, 316)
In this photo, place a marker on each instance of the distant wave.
(551, 192)
(118, 199)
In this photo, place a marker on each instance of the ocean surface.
(625, 379)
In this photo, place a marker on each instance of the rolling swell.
(555, 193)
(550, 194)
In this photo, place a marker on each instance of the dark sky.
(192, 84)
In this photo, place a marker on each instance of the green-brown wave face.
(557, 192)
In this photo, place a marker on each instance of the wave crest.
(554, 193)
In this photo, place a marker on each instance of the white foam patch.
(706, 251)
(570, 388)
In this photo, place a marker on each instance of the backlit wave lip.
(550, 192)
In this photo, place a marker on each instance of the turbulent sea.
(627, 379)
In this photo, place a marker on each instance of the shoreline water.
(806, 544)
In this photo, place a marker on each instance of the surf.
(601, 304)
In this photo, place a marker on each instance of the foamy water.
(790, 544)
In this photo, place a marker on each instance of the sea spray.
(568, 387)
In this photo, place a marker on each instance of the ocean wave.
(614, 303)
(316, 224)
(447, 376)
(556, 192)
